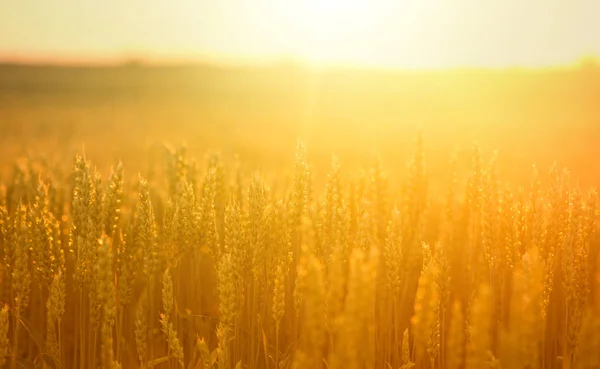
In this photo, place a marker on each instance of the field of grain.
(201, 217)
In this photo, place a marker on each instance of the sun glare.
(330, 31)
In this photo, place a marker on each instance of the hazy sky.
(404, 33)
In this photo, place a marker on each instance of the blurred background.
(251, 78)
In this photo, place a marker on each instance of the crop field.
(282, 217)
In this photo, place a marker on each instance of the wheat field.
(202, 264)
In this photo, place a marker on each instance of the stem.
(169, 356)
(44, 313)
(443, 339)
(252, 324)
(261, 321)
(398, 340)
(567, 349)
(119, 331)
(277, 347)
(543, 348)
(60, 347)
(16, 336)
(79, 334)
(236, 334)
(94, 341)
(151, 320)
(389, 336)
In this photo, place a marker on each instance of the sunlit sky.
(387, 33)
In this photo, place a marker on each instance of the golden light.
(334, 31)
(377, 33)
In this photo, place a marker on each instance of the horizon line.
(273, 62)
